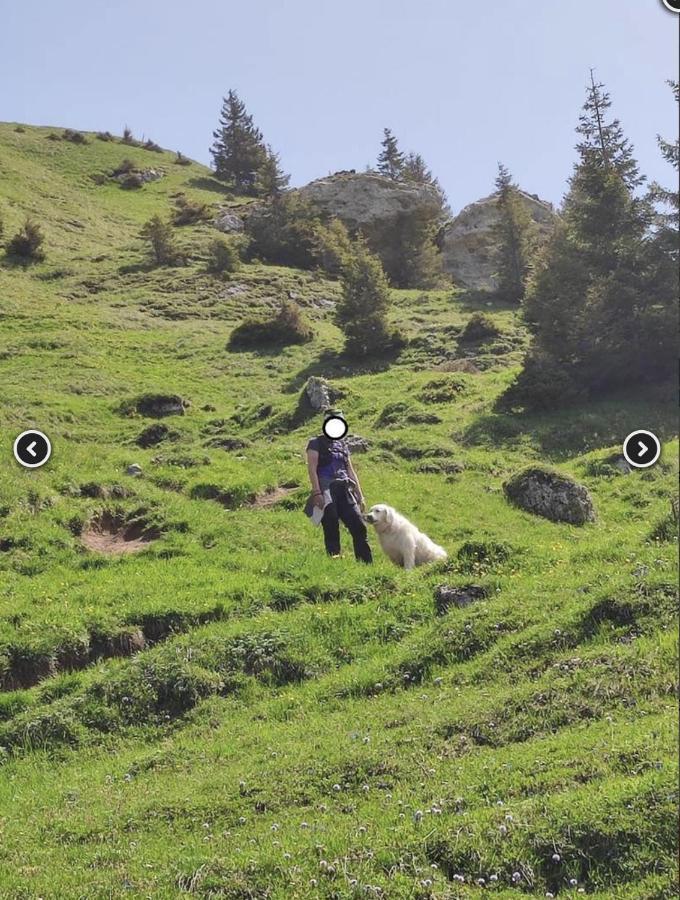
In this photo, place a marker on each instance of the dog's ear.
(389, 515)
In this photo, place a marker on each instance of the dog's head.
(381, 516)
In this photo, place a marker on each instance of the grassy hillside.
(227, 712)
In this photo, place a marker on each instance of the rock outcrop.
(228, 222)
(469, 244)
(365, 199)
(550, 495)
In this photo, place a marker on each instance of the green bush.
(479, 327)
(189, 212)
(288, 326)
(104, 136)
(158, 234)
(75, 137)
(153, 146)
(182, 160)
(362, 310)
(27, 243)
(223, 256)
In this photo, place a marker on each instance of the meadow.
(229, 713)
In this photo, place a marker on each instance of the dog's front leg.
(410, 556)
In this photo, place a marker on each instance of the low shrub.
(189, 212)
(401, 413)
(124, 168)
(182, 160)
(105, 136)
(153, 146)
(158, 234)
(75, 137)
(223, 256)
(479, 327)
(28, 242)
(288, 326)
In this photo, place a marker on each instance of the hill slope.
(227, 712)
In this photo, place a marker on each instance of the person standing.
(336, 490)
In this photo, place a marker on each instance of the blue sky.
(463, 82)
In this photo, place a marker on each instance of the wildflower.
(336, 787)
(573, 882)
(242, 820)
(418, 815)
(556, 857)
(493, 878)
(516, 877)
(503, 830)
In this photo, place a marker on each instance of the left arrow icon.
(32, 449)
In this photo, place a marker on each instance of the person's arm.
(355, 478)
(312, 464)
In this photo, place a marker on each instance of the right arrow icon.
(641, 449)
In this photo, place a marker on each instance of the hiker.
(336, 492)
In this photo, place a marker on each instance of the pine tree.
(391, 159)
(238, 151)
(514, 236)
(668, 219)
(361, 312)
(415, 169)
(601, 305)
(271, 180)
(603, 143)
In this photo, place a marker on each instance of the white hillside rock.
(469, 244)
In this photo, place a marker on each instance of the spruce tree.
(391, 159)
(415, 169)
(601, 304)
(238, 151)
(514, 232)
(361, 312)
(603, 143)
(272, 180)
(668, 218)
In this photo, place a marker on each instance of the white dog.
(401, 540)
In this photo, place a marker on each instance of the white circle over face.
(335, 427)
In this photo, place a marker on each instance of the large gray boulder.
(228, 222)
(470, 245)
(551, 495)
(365, 199)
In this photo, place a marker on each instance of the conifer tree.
(415, 169)
(601, 305)
(361, 312)
(603, 143)
(514, 232)
(391, 159)
(272, 180)
(668, 218)
(238, 151)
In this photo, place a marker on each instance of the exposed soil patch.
(272, 496)
(111, 534)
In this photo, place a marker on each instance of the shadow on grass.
(333, 363)
(206, 183)
(592, 425)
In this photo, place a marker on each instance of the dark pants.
(344, 509)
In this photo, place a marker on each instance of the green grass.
(228, 713)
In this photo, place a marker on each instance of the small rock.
(446, 596)
(135, 470)
(228, 222)
(357, 444)
(551, 495)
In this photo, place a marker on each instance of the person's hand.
(318, 500)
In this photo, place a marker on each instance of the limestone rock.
(469, 244)
(551, 495)
(228, 222)
(363, 199)
(317, 392)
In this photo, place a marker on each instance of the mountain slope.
(227, 712)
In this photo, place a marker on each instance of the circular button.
(32, 449)
(672, 5)
(641, 449)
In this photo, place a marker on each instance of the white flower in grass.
(493, 878)
(418, 815)
(573, 882)
(516, 877)
(556, 858)
(502, 829)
